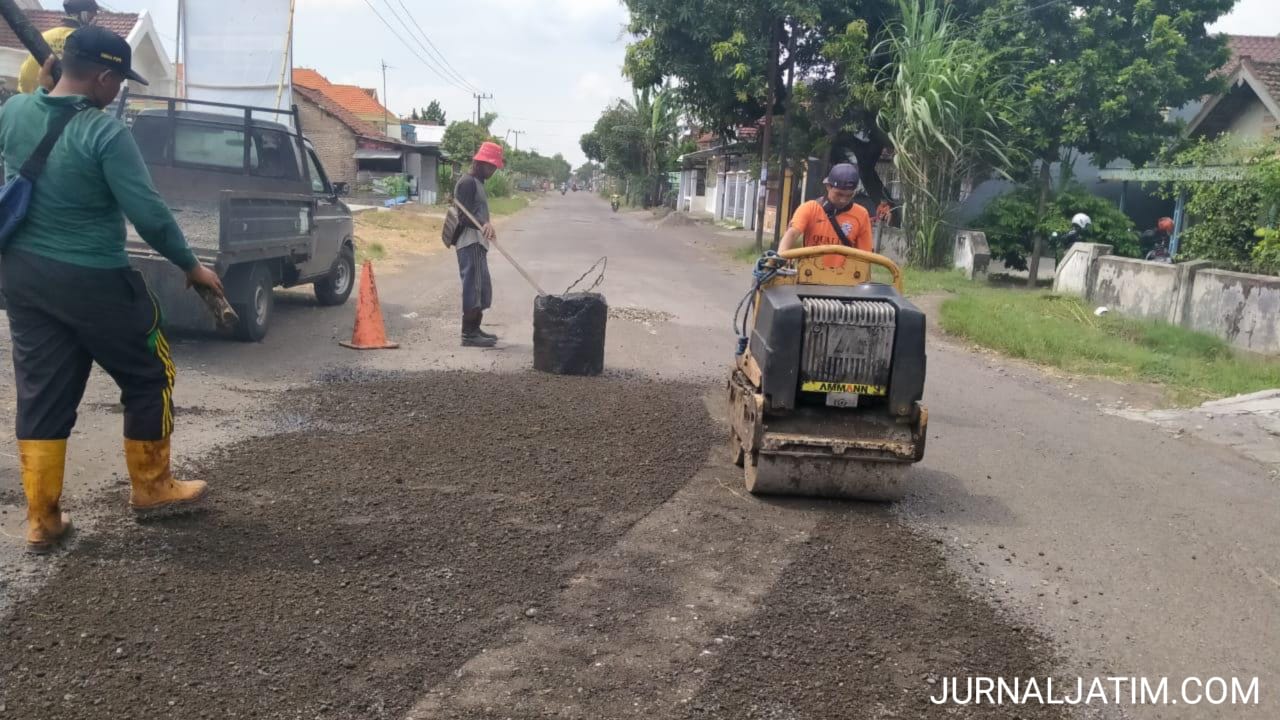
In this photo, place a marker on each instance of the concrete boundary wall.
(971, 254)
(1242, 309)
(1137, 288)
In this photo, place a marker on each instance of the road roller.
(827, 388)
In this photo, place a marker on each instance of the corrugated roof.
(119, 23)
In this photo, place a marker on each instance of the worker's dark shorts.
(62, 319)
(473, 268)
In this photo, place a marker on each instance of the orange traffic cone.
(370, 332)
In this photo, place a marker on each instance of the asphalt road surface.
(437, 532)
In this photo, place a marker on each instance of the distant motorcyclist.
(1159, 238)
(614, 201)
(1080, 226)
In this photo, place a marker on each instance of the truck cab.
(254, 202)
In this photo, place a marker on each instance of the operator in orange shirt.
(816, 221)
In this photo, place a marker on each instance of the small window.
(319, 185)
(211, 146)
(277, 157)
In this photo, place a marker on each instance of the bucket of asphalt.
(569, 329)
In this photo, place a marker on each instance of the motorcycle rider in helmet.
(1159, 237)
(1080, 224)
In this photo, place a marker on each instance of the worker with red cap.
(473, 245)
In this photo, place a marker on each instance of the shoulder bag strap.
(830, 211)
(34, 165)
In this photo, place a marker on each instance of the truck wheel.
(255, 302)
(336, 287)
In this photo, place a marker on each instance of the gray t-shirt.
(470, 192)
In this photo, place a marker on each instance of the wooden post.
(766, 137)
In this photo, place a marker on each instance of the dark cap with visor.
(103, 47)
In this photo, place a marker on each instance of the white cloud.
(1251, 17)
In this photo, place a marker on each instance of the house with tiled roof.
(149, 55)
(1250, 107)
(360, 102)
(356, 150)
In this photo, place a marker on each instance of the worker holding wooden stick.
(79, 13)
(71, 297)
(473, 244)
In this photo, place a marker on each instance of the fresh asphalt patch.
(406, 524)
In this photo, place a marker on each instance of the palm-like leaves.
(944, 112)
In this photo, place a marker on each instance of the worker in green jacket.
(79, 14)
(71, 297)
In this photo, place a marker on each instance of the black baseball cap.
(103, 47)
(844, 176)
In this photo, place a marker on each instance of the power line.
(411, 49)
(438, 66)
(443, 59)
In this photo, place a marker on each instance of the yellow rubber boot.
(43, 463)
(155, 492)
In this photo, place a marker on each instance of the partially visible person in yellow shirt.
(79, 13)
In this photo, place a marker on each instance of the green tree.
(1013, 219)
(945, 113)
(1097, 76)
(415, 116)
(1234, 222)
(462, 139)
(434, 113)
(719, 55)
(636, 140)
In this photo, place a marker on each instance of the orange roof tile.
(351, 98)
(355, 124)
(308, 78)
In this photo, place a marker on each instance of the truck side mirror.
(341, 189)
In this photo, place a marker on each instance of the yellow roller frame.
(811, 270)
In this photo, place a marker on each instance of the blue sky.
(551, 65)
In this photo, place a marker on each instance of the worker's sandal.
(43, 463)
(155, 492)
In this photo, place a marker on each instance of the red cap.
(1165, 225)
(490, 152)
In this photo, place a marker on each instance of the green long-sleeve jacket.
(95, 178)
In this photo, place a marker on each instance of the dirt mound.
(338, 574)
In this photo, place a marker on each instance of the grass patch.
(508, 205)
(370, 251)
(1062, 332)
(392, 236)
(746, 254)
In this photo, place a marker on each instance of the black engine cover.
(778, 337)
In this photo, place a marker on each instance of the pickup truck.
(253, 200)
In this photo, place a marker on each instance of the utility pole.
(517, 133)
(479, 97)
(386, 122)
(762, 195)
